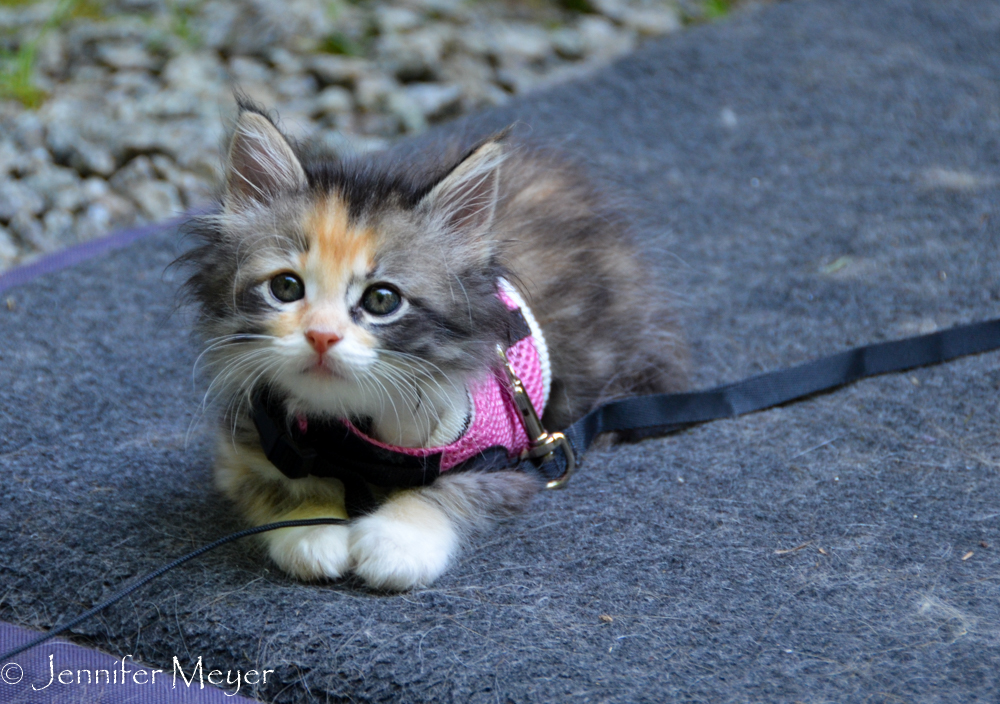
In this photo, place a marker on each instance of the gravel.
(121, 119)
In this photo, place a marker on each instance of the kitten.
(369, 291)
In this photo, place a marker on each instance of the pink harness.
(495, 420)
(503, 419)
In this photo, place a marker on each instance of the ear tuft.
(467, 196)
(261, 161)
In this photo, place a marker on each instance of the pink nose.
(322, 341)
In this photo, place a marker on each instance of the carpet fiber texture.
(811, 176)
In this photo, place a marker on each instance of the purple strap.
(58, 671)
(81, 252)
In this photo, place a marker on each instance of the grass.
(338, 43)
(183, 19)
(17, 80)
(17, 67)
(717, 9)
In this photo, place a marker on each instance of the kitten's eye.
(381, 299)
(288, 287)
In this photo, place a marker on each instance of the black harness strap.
(668, 412)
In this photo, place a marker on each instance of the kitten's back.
(605, 315)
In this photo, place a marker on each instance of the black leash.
(663, 413)
(122, 593)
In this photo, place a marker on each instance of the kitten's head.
(347, 286)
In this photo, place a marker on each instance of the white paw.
(405, 544)
(310, 553)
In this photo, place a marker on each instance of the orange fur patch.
(338, 252)
(336, 248)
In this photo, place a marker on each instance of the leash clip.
(543, 443)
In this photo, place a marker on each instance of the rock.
(132, 83)
(194, 144)
(125, 56)
(568, 43)
(338, 70)
(17, 198)
(434, 100)
(60, 185)
(520, 43)
(517, 79)
(10, 157)
(244, 69)
(93, 159)
(9, 252)
(136, 171)
(333, 99)
(33, 160)
(29, 130)
(61, 139)
(603, 39)
(475, 76)
(454, 10)
(613, 9)
(90, 32)
(372, 92)
(257, 26)
(31, 232)
(193, 190)
(410, 114)
(94, 188)
(381, 124)
(27, 16)
(107, 212)
(169, 104)
(414, 56)
(296, 86)
(86, 75)
(58, 225)
(285, 62)
(475, 42)
(69, 147)
(157, 200)
(396, 19)
(259, 93)
(147, 6)
(51, 54)
(200, 73)
(342, 145)
(652, 21)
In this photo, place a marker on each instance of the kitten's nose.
(322, 341)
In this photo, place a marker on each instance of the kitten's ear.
(261, 162)
(467, 196)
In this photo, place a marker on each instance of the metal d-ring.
(543, 443)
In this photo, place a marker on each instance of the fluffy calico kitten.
(368, 289)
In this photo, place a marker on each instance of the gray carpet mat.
(811, 177)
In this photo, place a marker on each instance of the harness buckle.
(543, 443)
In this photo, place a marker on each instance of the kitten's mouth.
(322, 368)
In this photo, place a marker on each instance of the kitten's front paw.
(310, 553)
(407, 543)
